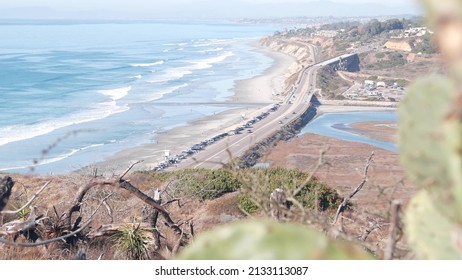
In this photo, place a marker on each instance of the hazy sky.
(181, 8)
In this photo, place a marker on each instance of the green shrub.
(201, 183)
(258, 184)
(247, 204)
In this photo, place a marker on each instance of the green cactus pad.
(268, 240)
(430, 233)
(423, 150)
(430, 142)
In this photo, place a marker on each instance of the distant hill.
(210, 9)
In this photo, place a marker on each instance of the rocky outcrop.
(287, 46)
(398, 45)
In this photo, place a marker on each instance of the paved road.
(216, 155)
(295, 104)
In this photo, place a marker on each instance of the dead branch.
(128, 169)
(177, 246)
(191, 228)
(394, 230)
(146, 199)
(278, 204)
(153, 220)
(79, 198)
(347, 199)
(171, 201)
(60, 238)
(319, 164)
(372, 226)
(26, 228)
(28, 203)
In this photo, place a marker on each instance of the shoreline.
(251, 97)
(255, 93)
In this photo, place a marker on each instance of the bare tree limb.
(347, 199)
(153, 220)
(372, 226)
(319, 164)
(60, 238)
(129, 168)
(79, 198)
(394, 228)
(28, 203)
(176, 248)
(191, 227)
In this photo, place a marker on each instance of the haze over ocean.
(109, 81)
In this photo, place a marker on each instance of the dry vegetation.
(99, 217)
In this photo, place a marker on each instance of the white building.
(369, 83)
(374, 93)
(381, 84)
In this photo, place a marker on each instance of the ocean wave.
(208, 63)
(148, 64)
(212, 42)
(175, 44)
(211, 50)
(171, 75)
(54, 159)
(15, 133)
(136, 77)
(160, 94)
(116, 94)
(180, 72)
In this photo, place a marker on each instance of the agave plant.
(133, 243)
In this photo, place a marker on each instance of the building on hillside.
(381, 84)
(351, 95)
(369, 83)
(374, 94)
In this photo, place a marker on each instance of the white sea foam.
(54, 159)
(10, 134)
(171, 75)
(180, 72)
(211, 50)
(207, 63)
(116, 94)
(160, 94)
(136, 77)
(148, 64)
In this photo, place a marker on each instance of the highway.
(214, 156)
(297, 101)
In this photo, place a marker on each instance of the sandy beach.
(257, 95)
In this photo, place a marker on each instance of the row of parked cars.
(202, 145)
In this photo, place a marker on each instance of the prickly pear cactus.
(422, 140)
(429, 232)
(430, 129)
(430, 142)
(268, 240)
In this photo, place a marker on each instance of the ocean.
(73, 93)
